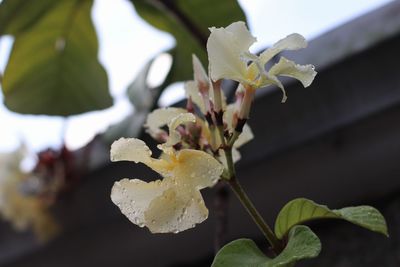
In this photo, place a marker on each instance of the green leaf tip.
(301, 210)
(302, 244)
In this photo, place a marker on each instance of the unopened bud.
(217, 96)
(245, 106)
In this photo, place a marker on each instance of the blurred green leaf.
(302, 244)
(188, 21)
(139, 93)
(301, 210)
(53, 67)
(18, 15)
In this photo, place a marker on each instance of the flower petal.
(130, 149)
(293, 41)
(174, 136)
(235, 155)
(133, 197)
(200, 75)
(268, 79)
(160, 117)
(304, 73)
(197, 169)
(175, 211)
(192, 91)
(225, 47)
(245, 137)
(242, 35)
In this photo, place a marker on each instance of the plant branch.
(180, 16)
(229, 162)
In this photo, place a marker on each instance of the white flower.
(174, 203)
(23, 211)
(229, 58)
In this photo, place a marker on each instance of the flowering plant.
(20, 205)
(200, 148)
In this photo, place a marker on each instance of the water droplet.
(60, 44)
(176, 231)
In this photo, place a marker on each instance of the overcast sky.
(127, 43)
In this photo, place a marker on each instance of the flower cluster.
(200, 143)
(18, 204)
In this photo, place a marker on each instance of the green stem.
(276, 244)
(233, 138)
(221, 135)
(229, 163)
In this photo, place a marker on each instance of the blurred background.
(76, 75)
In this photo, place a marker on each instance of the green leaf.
(18, 15)
(301, 210)
(53, 67)
(188, 22)
(303, 244)
(139, 93)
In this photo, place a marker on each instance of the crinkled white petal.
(293, 41)
(133, 197)
(269, 79)
(130, 149)
(304, 73)
(174, 136)
(160, 117)
(175, 211)
(242, 35)
(192, 91)
(173, 204)
(197, 169)
(225, 47)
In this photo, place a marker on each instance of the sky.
(127, 43)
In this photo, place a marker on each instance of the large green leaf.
(303, 244)
(18, 15)
(53, 67)
(301, 210)
(188, 21)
